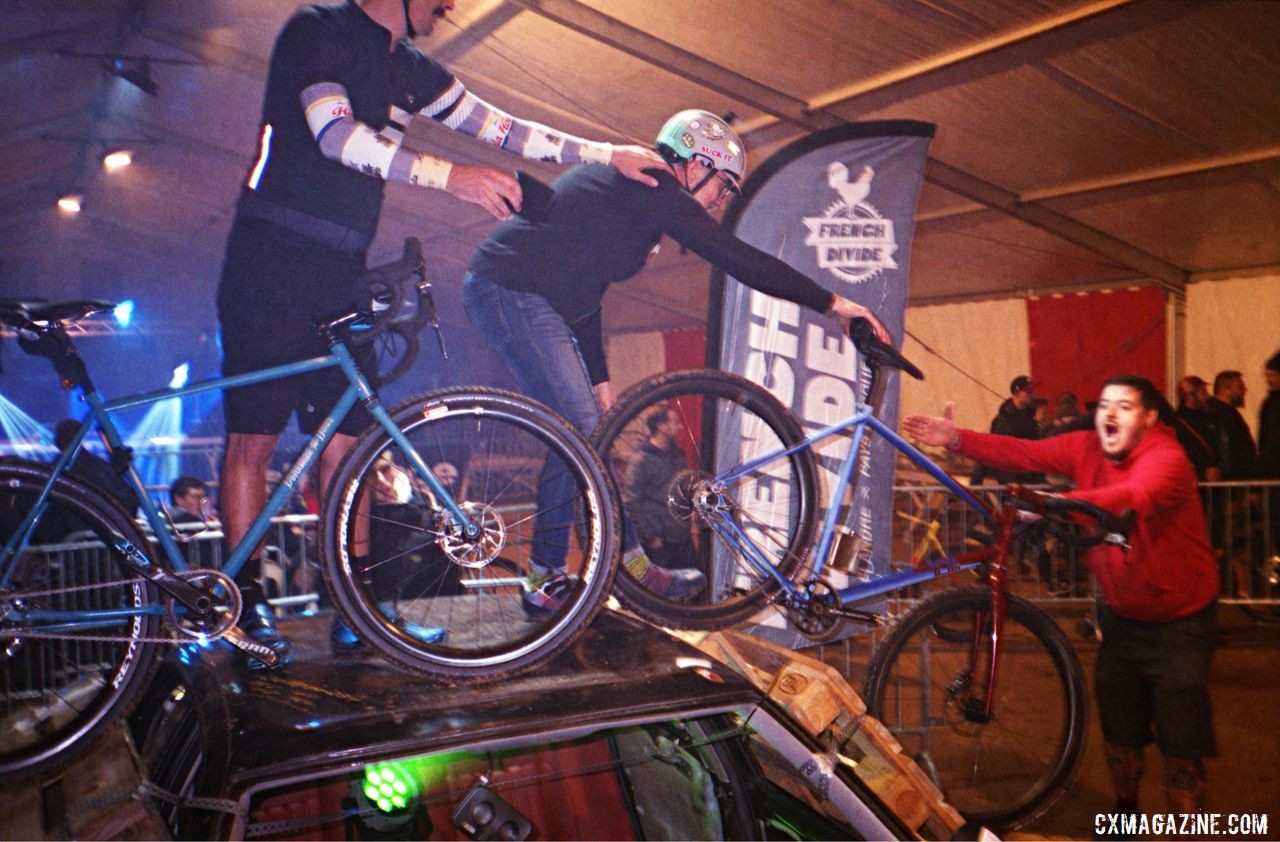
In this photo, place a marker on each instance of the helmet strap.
(711, 173)
(409, 31)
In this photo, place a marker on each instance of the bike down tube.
(469, 527)
(103, 412)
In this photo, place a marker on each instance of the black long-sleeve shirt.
(597, 227)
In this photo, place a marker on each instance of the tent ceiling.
(1079, 144)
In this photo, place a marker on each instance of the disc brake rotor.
(478, 551)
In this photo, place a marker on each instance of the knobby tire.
(520, 466)
(725, 412)
(1011, 769)
(57, 695)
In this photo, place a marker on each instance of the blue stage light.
(124, 312)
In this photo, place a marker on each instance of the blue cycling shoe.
(259, 622)
(343, 639)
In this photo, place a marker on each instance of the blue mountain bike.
(89, 595)
(979, 684)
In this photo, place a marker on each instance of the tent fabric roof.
(1080, 143)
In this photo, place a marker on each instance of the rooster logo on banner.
(853, 241)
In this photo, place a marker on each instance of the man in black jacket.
(657, 462)
(1016, 417)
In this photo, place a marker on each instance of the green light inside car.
(391, 786)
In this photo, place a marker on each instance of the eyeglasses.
(726, 184)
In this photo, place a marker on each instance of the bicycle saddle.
(877, 353)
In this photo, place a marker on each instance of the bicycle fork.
(987, 637)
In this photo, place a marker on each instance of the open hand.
(933, 430)
(632, 161)
(485, 187)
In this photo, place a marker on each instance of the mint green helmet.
(701, 134)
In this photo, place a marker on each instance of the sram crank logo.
(852, 239)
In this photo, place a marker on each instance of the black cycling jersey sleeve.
(697, 230)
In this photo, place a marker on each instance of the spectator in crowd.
(1158, 599)
(664, 537)
(1269, 422)
(1043, 416)
(1197, 428)
(1067, 416)
(1016, 418)
(190, 500)
(189, 497)
(93, 469)
(1237, 454)
(1235, 520)
(1269, 442)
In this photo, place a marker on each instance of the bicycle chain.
(16, 633)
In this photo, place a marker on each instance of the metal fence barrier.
(1243, 519)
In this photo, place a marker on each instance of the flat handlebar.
(1108, 528)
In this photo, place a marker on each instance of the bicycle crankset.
(224, 602)
(817, 615)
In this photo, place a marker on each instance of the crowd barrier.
(1243, 520)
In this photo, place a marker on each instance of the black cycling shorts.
(1157, 673)
(276, 285)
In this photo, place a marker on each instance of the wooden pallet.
(822, 702)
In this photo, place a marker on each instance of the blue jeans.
(540, 351)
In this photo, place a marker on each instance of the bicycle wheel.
(716, 421)
(60, 686)
(410, 583)
(1010, 767)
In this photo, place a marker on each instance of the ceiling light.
(117, 158)
(135, 71)
(71, 202)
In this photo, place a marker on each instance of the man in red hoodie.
(1156, 605)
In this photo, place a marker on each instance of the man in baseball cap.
(1016, 418)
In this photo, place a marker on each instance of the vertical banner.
(838, 205)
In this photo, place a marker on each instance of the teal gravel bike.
(89, 595)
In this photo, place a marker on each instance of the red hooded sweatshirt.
(1170, 570)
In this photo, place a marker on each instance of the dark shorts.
(276, 285)
(1157, 673)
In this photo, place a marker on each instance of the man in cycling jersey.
(1157, 601)
(535, 285)
(344, 83)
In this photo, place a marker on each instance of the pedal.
(251, 647)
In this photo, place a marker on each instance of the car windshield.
(704, 778)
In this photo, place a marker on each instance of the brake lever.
(427, 306)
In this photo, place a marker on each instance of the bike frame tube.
(879, 585)
(101, 412)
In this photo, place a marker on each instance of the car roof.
(321, 712)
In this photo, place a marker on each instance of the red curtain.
(685, 349)
(1079, 341)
